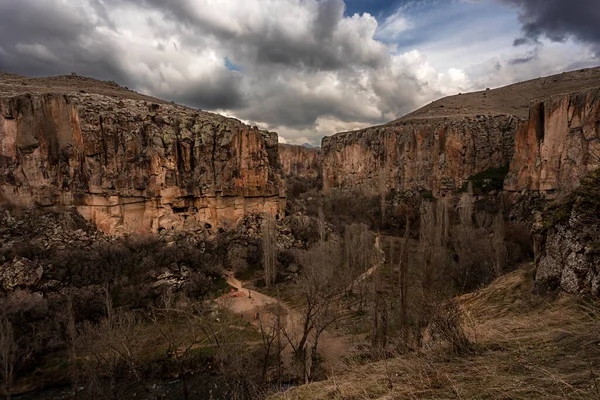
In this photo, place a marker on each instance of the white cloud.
(393, 26)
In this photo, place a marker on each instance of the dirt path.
(374, 268)
(333, 347)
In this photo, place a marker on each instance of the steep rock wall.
(557, 154)
(436, 155)
(558, 145)
(300, 161)
(133, 166)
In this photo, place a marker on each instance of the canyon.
(544, 133)
(116, 199)
(132, 163)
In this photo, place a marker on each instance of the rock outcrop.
(129, 165)
(568, 237)
(301, 161)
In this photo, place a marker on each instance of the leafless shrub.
(446, 325)
(8, 354)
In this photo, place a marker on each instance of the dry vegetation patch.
(526, 345)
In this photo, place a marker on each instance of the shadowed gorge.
(156, 251)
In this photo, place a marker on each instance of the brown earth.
(13, 85)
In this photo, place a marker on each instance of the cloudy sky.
(303, 68)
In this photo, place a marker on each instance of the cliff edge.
(128, 162)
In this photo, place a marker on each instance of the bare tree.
(75, 371)
(319, 288)
(321, 215)
(269, 247)
(359, 256)
(8, 353)
(183, 328)
(403, 278)
(270, 329)
(110, 348)
(465, 206)
(499, 243)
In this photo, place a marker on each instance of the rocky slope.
(130, 163)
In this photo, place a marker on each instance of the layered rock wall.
(133, 166)
(300, 161)
(436, 155)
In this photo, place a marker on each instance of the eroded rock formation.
(568, 253)
(134, 166)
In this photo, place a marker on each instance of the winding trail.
(333, 347)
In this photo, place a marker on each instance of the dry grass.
(526, 346)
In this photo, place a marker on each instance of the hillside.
(525, 345)
(512, 99)
(12, 85)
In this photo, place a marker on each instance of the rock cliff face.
(438, 147)
(547, 155)
(558, 145)
(436, 155)
(300, 161)
(134, 166)
(568, 245)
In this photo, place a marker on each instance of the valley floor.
(526, 345)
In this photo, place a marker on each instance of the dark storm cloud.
(560, 19)
(522, 60)
(523, 41)
(40, 38)
(302, 67)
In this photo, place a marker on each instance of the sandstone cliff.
(436, 155)
(558, 145)
(440, 146)
(300, 161)
(131, 165)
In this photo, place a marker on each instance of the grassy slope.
(527, 346)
